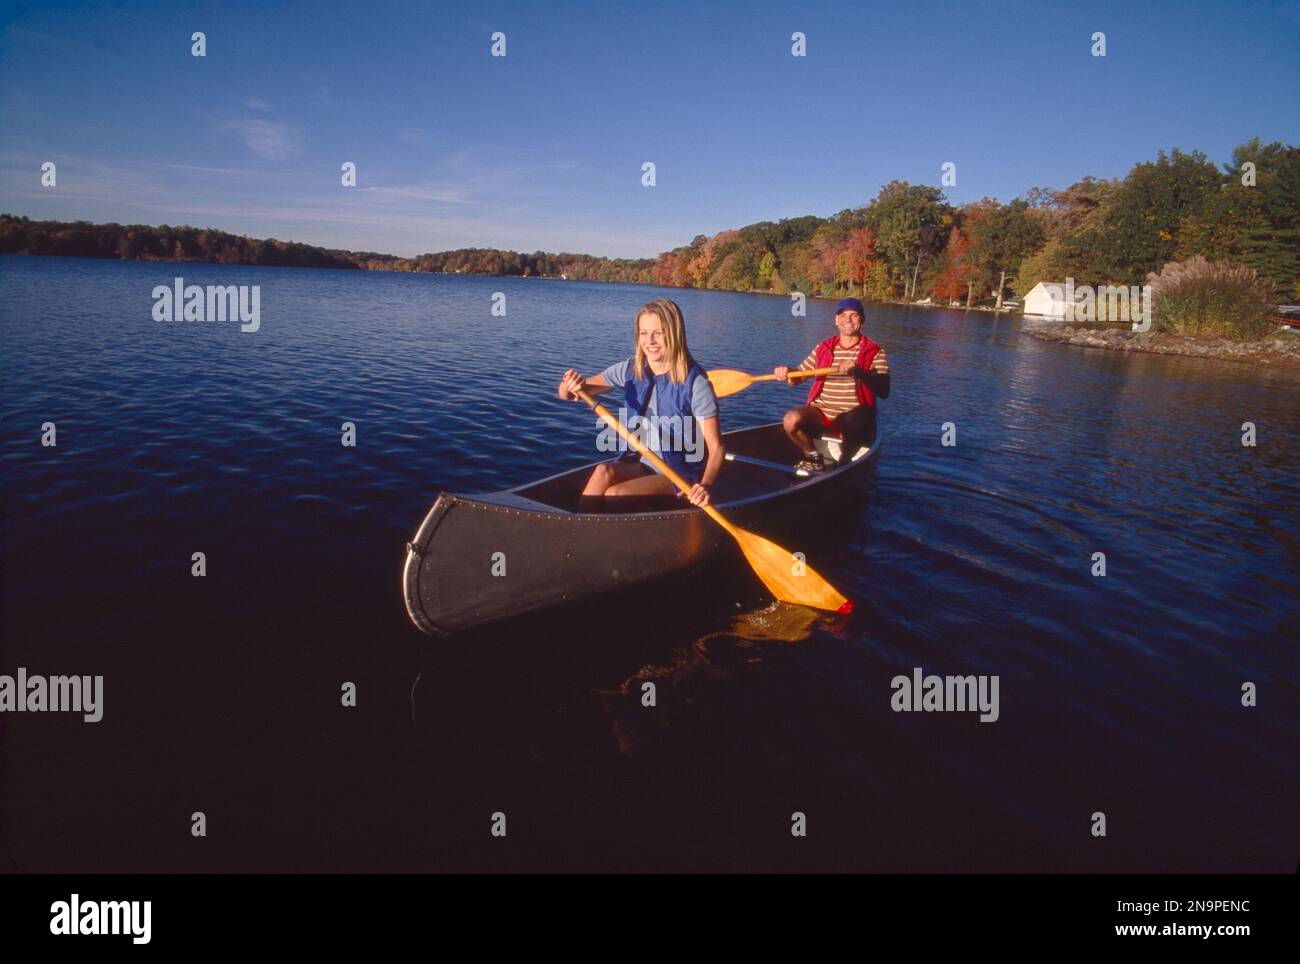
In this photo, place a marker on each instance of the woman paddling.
(667, 389)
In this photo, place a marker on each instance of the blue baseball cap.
(850, 304)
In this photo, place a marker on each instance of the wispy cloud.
(418, 193)
(470, 200)
(273, 140)
(256, 103)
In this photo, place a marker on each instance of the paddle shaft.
(664, 468)
(795, 373)
(729, 381)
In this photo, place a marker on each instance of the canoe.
(483, 558)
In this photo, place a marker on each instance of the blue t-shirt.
(704, 403)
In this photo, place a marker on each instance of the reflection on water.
(715, 655)
(1119, 693)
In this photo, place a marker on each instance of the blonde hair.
(673, 326)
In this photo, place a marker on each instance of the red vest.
(825, 358)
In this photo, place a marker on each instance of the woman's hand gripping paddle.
(770, 562)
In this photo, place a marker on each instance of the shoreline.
(147, 259)
(1281, 350)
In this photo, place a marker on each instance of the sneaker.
(811, 463)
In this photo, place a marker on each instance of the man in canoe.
(667, 389)
(842, 405)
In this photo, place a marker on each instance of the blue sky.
(542, 149)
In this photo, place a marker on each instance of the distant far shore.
(1282, 350)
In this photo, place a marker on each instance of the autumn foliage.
(908, 242)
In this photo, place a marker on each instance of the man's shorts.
(834, 427)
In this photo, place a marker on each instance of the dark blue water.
(1119, 694)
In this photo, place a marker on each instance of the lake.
(1119, 694)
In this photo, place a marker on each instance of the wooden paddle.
(771, 563)
(728, 381)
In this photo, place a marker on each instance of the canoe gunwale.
(814, 478)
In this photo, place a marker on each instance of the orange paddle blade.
(788, 578)
(728, 381)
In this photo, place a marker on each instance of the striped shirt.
(838, 394)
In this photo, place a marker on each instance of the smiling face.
(650, 338)
(849, 322)
(661, 340)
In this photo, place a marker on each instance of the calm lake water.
(1119, 694)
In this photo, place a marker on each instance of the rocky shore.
(1282, 349)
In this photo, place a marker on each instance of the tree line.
(907, 243)
(142, 242)
(139, 242)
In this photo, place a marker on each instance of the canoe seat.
(831, 447)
